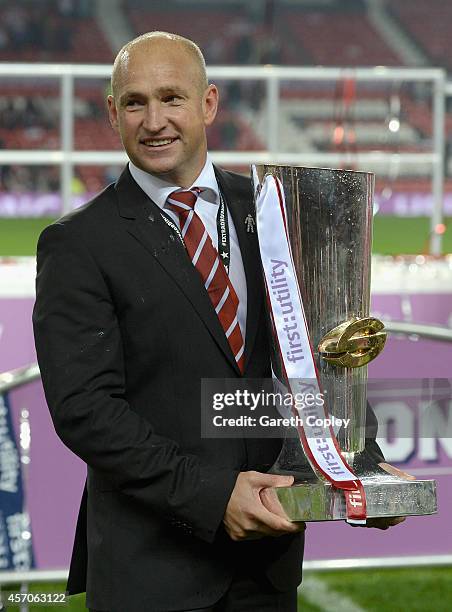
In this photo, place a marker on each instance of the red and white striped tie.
(205, 258)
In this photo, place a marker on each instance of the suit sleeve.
(372, 446)
(80, 355)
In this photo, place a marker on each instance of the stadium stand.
(51, 30)
(428, 22)
(307, 33)
(333, 36)
(198, 24)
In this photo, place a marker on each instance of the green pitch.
(407, 235)
(392, 235)
(371, 590)
(393, 590)
(19, 236)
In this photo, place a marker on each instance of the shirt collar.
(158, 189)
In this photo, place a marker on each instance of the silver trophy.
(329, 218)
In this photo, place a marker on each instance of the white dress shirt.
(206, 208)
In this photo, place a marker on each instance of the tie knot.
(183, 200)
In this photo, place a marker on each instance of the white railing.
(273, 76)
(26, 374)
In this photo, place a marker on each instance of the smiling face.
(161, 107)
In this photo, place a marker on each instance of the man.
(127, 323)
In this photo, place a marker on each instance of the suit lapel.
(239, 201)
(144, 222)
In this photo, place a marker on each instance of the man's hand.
(246, 517)
(387, 467)
(386, 522)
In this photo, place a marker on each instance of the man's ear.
(112, 113)
(210, 104)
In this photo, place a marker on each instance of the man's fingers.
(271, 522)
(390, 521)
(262, 523)
(259, 519)
(383, 523)
(246, 517)
(387, 467)
(259, 479)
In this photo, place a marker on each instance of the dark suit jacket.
(125, 332)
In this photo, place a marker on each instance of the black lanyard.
(224, 245)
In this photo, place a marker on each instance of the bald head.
(156, 43)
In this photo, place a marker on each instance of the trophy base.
(386, 496)
(321, 502)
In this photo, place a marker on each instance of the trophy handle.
(354, 343)
(348, 346)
